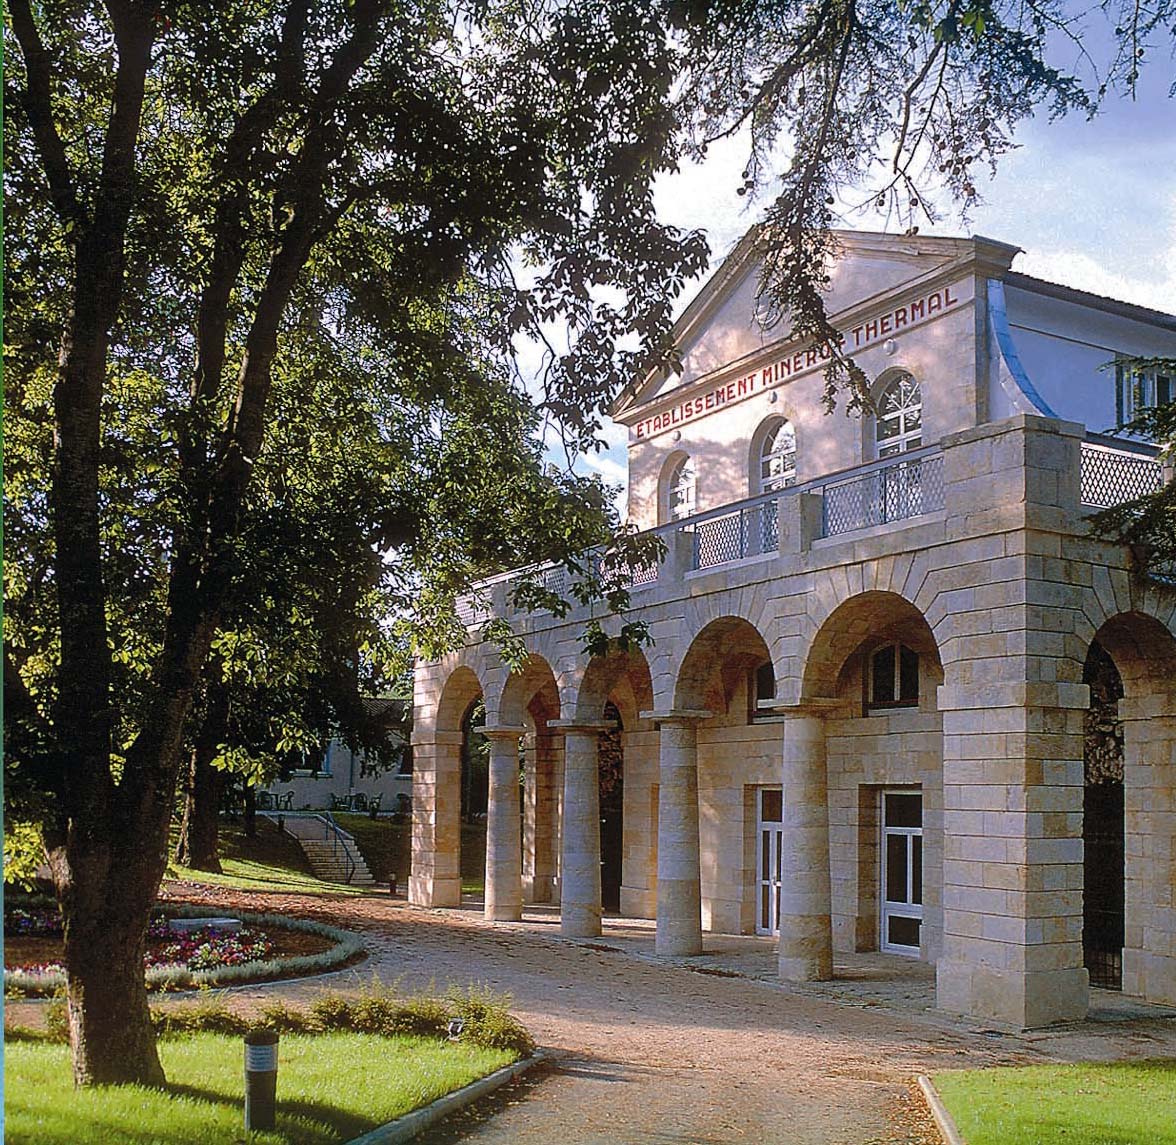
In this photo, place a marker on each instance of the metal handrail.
(332, 833)
(338, 838)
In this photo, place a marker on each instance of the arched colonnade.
(880, 698)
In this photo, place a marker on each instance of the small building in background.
(351, 780)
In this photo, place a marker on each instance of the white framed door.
(769, 806)
(902, 871)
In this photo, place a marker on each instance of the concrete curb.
(412, 1124)
(943, 1122)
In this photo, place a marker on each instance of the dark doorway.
(1103, 823)
(475, 764)
(612, 805)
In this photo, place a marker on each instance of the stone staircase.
(330, 855)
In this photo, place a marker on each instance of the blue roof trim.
(1004, 339)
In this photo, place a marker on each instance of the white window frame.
(908, 404)
(888, 909)
(772, 451)
(682, 491)
(772, 877)
(1139, 390)
(895, 648)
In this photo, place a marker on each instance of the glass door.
(769, 828)
(902, 871)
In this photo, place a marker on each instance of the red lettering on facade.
(934, 303)
(884, 325)
(918, 309)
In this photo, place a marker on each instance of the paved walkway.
(652, 1052)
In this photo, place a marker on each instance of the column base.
(1013, 998)
(426, 890)
(503, 912)
(579, 921)
(805, 968)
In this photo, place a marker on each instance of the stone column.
(580, 838)
(1012, 851)
(1149, 788)
(539, 813)
(806, 930)
(435, 879)
(504, 852)
(679, 896)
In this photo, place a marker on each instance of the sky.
(1091, 203)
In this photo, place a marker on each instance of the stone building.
(861, 722)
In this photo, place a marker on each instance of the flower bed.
(266, 947)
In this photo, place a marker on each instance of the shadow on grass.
(330, 1117)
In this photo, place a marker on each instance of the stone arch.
(523, 689)
(623, 677)
(869, 618)
(880, 749)
(717, 662)
(460, 690)
(1143, 651)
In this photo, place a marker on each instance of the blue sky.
(1091, 203)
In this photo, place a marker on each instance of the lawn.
(1115, 1103)
(386, 847)
(270, 861)
(331, 1087)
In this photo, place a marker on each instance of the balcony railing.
(882, 492)
(892, 490)
(1112, 474)
(748, 531)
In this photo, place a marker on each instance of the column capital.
(502, 731)
(581, 725)
(677, 715)
(811, 706)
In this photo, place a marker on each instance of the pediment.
(725, 324)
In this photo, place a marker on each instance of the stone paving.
(699, 1050)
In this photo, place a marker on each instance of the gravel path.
(653, 1053)
(646, 1052)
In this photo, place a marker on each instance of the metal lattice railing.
(1112, 476)
(906, 488)
(748, 532)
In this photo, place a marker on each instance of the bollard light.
(456, 1025)
(261, 1078)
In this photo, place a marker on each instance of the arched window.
(777, 459)
(680, 490)
(898, 425)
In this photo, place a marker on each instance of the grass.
(270, 861)
(1113, 1103)
(386, 848)
(331, 1087)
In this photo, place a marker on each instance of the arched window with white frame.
(777, 458)
(681, 491)
(898, 423)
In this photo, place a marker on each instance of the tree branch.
(38, 101)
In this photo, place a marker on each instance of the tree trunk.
(197, 844)
(109, 1020)
(106, 885)
(250, 813)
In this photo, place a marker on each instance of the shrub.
(488, 1021)
(57, 1019)
(276, 1015)
(210, 1014)
(421, 1017)
(331, 1012)
(373, 1014)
